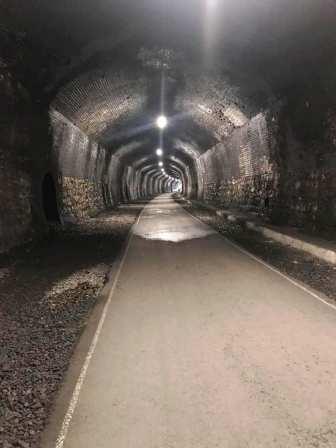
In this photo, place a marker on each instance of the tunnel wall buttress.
(87, 173)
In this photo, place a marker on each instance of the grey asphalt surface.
(204, 347)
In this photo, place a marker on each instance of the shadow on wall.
(49, 199)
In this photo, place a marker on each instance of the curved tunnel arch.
(97, 105)
(173, 163)
(149, 172)
(245, 104)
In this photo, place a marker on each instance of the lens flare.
(162, 121)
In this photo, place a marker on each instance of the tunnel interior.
(248, 90)
(167, 185)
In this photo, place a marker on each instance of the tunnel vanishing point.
(248, 90)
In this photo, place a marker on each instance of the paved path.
(205, 347)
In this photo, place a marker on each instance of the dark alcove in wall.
(49, 199)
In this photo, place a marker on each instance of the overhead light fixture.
(159, 152)
(160, 163)
(162, 121)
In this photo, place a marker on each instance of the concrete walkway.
(203, 346)
(315, 246)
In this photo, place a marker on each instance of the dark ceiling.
(248, 35)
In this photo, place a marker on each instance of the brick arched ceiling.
(228, 60)
(119, 109)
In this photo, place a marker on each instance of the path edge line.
(295, 282)
(116, 269)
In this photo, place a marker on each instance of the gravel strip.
(47, 292)
(319, 275)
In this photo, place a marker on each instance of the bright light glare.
(162, 121)
(162, 170)
(212, 3)
(160, 163)
(159, 152)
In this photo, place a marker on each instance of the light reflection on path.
(162, 220)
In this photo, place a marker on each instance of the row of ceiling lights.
(162, 123)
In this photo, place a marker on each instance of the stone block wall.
(90, 176)
(281, 164)
(25, 147)
(241, 170)
(83, 170)
(15, 205)
(307, 163)
(81, 198)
